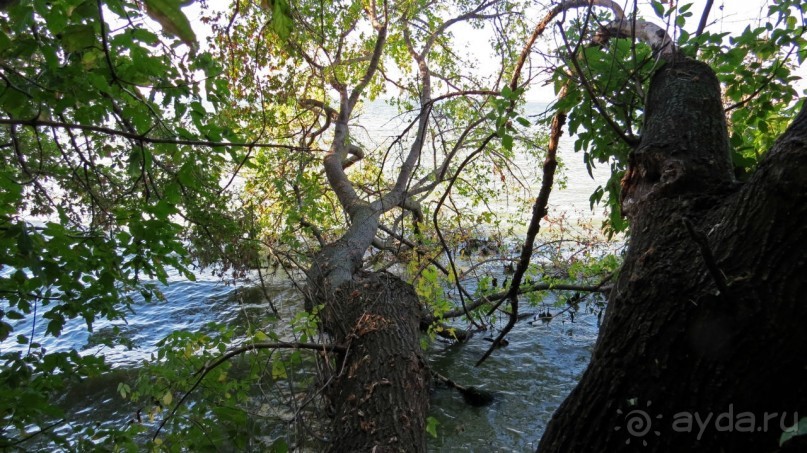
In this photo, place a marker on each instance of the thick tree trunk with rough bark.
(707, 318)
(380, 388)
(380, 393)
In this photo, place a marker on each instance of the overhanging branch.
(210, 366)
(143, 137)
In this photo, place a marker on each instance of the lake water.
(381, 125)
(530, 377)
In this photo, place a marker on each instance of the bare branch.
(473, 14)
(330, 112)
(378, 50)
(539, 210)
(704, 17)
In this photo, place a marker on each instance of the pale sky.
(725, 16)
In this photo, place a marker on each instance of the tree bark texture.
(380, 392)
(707, 318)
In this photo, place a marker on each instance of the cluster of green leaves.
(503, 114)
(617, 80)
(757, 69)
(98, 199)
(755, 66)
(214, 414)
(217, 410)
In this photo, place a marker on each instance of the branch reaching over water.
(539, 210)
(210, 366)
(500, 296)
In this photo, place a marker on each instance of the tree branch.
(539, 210)
(526, 289)
(473, 14)
(704, 17)
(210, 366)
(142, 137)
(378, 50)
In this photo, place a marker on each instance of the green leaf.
(507, 142)
(11, 314)
(78, 37)
(172, 19)
(507, 93)
(281, 19)
(5, 42)
(798, 430)
(658, 8)
(431, 426)
(278, 370)
(135, 166)
(279, 446)
(187, 175)
(167, 399)
(5, 330)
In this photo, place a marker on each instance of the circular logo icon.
(638, 422)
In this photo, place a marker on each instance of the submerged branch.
(490, 298)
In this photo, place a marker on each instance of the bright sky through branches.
(724, 16)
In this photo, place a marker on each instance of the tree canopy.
(137, 144)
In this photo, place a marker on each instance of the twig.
(32, 435)
(210, 366)
(266, 293)
(711, 264)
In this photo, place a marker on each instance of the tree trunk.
(704, 346)
(380, 393)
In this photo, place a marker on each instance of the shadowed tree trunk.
(380, 393)
(707, 317)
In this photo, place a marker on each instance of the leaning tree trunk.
(380, 392)
(704, 346)
(380, 387)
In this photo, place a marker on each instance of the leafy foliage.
(99, 200)
(755, 66)
(130, 156)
